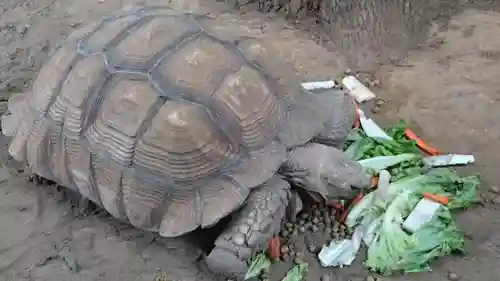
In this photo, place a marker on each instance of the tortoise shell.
(164, 118)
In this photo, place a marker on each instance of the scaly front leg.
(251, 228)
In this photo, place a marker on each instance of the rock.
(75, 24)
(376, 109)
(285, 249)
(312, 248)
(348, 71)
(495, 189)
(4, 174)
(326, 277)
(496, 200)
(23, 29)
(374, 83)
(452, 276)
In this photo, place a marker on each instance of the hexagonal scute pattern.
(165, 119)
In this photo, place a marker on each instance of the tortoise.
(172, 124)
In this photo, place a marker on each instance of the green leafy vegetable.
(297, 273)
(436, 238)
(393, 249)
(359, 146)
(258, 263)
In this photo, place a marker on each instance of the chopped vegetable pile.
(380, 214)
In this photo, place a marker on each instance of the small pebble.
(348, 71)
(315, 220)
(285, 249)
(374, 83)
(376, 109)
(317, 213)
(335, 229)
(302, 229)
(379, 102)
(23, 29)
(496, 200)
(453, 276)
(312, 248)
(295, 232)
(495, 189)
(75, 24)
(161, 278)
(314, 228)
(285, 257)
(336, 236)
(289, 225)
(285, 233)
(302, 222)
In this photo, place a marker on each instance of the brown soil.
(448, 89)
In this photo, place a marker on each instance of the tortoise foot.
(250, 229)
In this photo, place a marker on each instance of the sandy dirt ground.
(448, 90)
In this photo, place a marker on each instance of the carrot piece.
(356, 116)
(436, 198)
(420, 143)
(345, 212)
(334, 204)
(374, 182)
(274, 248)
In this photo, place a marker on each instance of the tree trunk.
(362, 31)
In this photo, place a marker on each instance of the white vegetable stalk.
(310, 86)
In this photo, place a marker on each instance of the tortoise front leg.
(250, 228)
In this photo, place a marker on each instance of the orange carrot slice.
(374, 182)
(429, 149)
(346, 210)
(436, 198)
(274, 248)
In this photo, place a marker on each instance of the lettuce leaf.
(392, 249)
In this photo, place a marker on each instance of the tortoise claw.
(250, 229)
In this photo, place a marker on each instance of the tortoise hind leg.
(250, 228)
